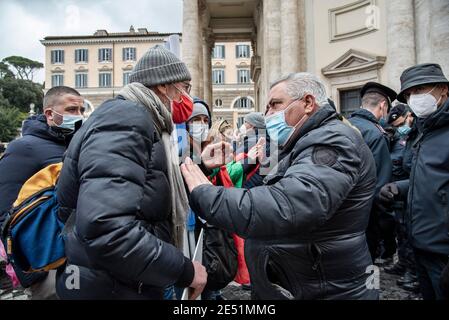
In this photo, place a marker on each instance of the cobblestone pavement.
(388, 290)
(388, 287)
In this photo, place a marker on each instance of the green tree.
(25, 68)
(10, 121)
(21, 93)
(5, 72)
(4, 103)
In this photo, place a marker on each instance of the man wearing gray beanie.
(121, 176)
(255, 120)
(249, 131)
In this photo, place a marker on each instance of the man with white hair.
(305, 227)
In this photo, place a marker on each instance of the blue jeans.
(169, 293)
(429, 267)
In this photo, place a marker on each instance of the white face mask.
(424, 104)
(199, 132)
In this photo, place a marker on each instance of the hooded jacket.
(40, 146)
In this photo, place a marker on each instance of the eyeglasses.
(186, 87)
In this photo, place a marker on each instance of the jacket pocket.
(445, 201)
(279, 280)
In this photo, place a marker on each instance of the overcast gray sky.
(24, 22)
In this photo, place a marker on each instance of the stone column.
(271, 62)
(423, 31)
(432, 32)
(290, 60)
(258, 49)
(201, 66)
(191, 41)
(400, 39)
(208, 45)
(302, 35)
(440, 33)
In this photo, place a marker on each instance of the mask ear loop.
(441, 96)
(62, 116)
(170, 100)
(301, 122)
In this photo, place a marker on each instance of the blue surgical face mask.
(68, 121)
(404, 131)
(277, 127)
(384, 121)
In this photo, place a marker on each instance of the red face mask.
(181, 111)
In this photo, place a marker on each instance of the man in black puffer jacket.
(116, 191)
(305, 227)
(40, 146)
(426, 89)
(43, 142)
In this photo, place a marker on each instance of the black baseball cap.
(376, 87)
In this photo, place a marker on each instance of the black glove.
(388, 193)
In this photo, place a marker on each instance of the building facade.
(98, 65)
(232, 88)
(345, 42)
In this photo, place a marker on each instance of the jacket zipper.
(35, 195)
(444, 200)
(317, 267)
(412, 179)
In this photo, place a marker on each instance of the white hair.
(302, 83)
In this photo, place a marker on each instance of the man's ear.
(48, 114)
(162, 89)
(383, 105)
(310, 103)
(445, 89)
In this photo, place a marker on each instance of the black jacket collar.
(37, 126)
(365, 114)
(324, 114)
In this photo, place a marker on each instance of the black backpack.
(219, 257)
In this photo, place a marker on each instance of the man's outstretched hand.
(193, 176)
(216, 155)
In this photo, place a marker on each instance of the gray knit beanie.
(159, 66)
(255, 119)
(198, 110)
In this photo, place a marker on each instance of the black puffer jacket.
(427, 191)
(115, 176)
(305, 228)
(40, 146)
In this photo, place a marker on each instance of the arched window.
(244, 103)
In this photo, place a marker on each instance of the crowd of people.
(298, 203)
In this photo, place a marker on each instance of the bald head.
(53, 95)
